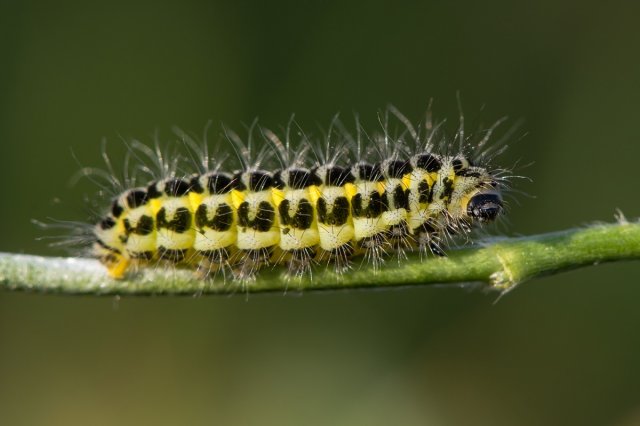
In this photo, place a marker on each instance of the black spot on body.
(341, 209)
(116, 209)
(283, 211)
(339, 212)
(264, 218)
(398, 198)
(368, 172)
(260, 181)
(458, 165)
(429, 162)
(180, 223)
(243, 214)
(136, 198)
(221, 221)
(299, 179)
(153, 192)
(468, 173)
(315, 180)
(237, 183)
(374, 208)
(425, 192)
(376, 205)
(143, 227)
(321, 206)
(176, 188)
(302, 217)
(107, 223)
(278, 182)
(356, 205)
(200, 217)
(397, 169)
(338, 176)
(220, 183)
(448, 188)
(195, 185)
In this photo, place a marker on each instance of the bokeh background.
(559, 350)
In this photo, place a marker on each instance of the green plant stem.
(500, 265)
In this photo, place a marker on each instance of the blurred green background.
(559, 350)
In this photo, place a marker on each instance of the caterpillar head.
(485, 205)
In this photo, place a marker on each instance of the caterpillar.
(296, 201)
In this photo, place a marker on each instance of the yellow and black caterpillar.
(411, 191)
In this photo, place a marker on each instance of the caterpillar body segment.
(108, 246)
(173, 218)
(424, 200)
(335, 222)
(258, 232)
(368, 204)
(215, 220)
(139, 235)
(396, 181)
(296, 195)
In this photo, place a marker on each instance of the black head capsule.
(485, 206)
